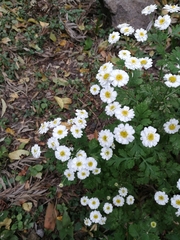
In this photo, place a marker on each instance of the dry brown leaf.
(5, 40)
(6, 223)
(44, 24)
(16, 155)
(59, 102)
(10, 131)
(50, 217)
(27, 206)
(93, 135)
(4, 106)
(63, 42)
(23, 140)
(13, 96)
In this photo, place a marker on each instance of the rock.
(128, 11)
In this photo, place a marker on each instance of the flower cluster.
(94, 203)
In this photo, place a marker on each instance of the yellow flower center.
(126, 30)
(172, 79)
(119, 77)
(106, 76)
(133, 61)
(150, 137)
(79, 164)
(95, 216)
(125, 113)
(107, 94)
(60, 132)
(161, 21)
(123, 134)
(107, 153)
(172, 126)
(161, 198)
(141, 34)
(90, 164)
(118, 200)
(62, 153)
(104, 138)
(112, 107)
(178, 201)
(143, 62)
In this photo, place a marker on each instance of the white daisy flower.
(146, 62)
(96, 171)
(123, 191)
(36, 151)
(127, 30)
(91, 163)
(106, 153)
(105, 138)
(76, 131)
(132, 63)
(172, 80)
(69, 174)
(178, 184)
(95, 216)
(80, 122)
(124, 114)
(124, 133)
(123, 25)
(141, 35)
(78, 163)
(94, 89)
(130, 200)
(124, 54)
(81, 113)
(84, 201)
(118, 201)
(177, 212)
(55, 122)
(104, 78)
(44, 127)
(102, 221)
(53, 143)
(106, 67)
(87, 222)
(171, 8)
(108, 208)
(149, 9)
(62, 153)
(162, 22)
(161, 198)
(93, 203)
(81, 153)
(108, 95)
(119, 78)
(171, 126)
(113, 37)
(175, 201)
(111, 108)
(83, 174)
(149, 137)
(60, 132)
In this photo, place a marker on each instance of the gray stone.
(128, 11)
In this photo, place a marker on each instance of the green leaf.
(38, 167)
(133, 230)
(53, 37)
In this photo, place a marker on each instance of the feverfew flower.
(171, 8)
(111, 108)
(162, 22)
(69, 174)
(161, 198)
(123, 25)
(178, 184)
(87, 222)
(76, 131)
(124, 54)
(105, 138)
(132, 63)
(118, 201)
(106, 153)
(95, 216)
(130, 200)
(108, 208)
(78, 163)
(104, 78)
(96, 171)
(177, 212)
(55, 123)
(44, 127)
(81, 153)
(102, 221)
(36, 151)
(94, 89)
(60, 132)
(113, 37)
(141, 35)
(91, 163)
(83, 174)
(124, 114)
(93, 203)
(171, 126)
(80, 122)
(119, 78)
(123, 191)
(146, 62)
(108, 95)
(175, 201)
(124, 133)
(149, 9)
(106, 67)
(172, 80)
(53, 143)
(62, 153)
(81, 113)
(149, 137)
(84, 200)
(127, 30)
